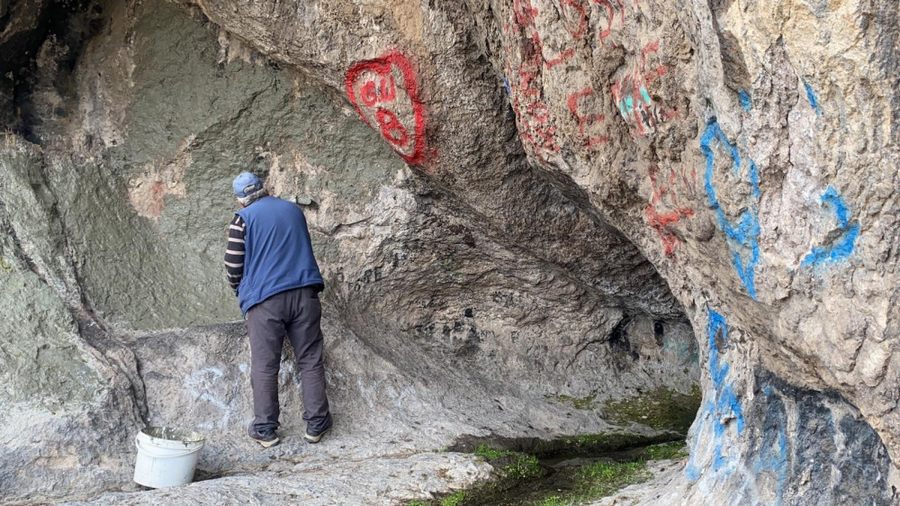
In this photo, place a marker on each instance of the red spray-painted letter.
(383, 92)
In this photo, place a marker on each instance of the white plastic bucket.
(166, 457)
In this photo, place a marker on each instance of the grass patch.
(661, 409)
(511, 465)
(523, 480)
(604, 477)
(455, 499)
(512, 468)
(666, 451)
(490, 453)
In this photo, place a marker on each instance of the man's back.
(278, 254)
(270, 265)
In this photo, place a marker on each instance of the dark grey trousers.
(295, 313)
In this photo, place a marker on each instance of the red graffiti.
(581, 12)
(612, 11)
(532, 114)
(383, 92)
(586, 120)
(632, 96)
(562, 57)
(664, 221)
(577, 29)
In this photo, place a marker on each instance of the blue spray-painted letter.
(722, 408)
(842, 246)
(742, 236)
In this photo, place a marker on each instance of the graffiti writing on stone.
(839, 245)
(574, 15)
(632, 96)
(720, 412)
(665, 210)
(383, 92)
(613, 9)
(741, 233)
(812, 98)
(746, 101)
(590, 125)
(207, 386)
(770, 452)
(532, 113)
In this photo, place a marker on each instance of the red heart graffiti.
(383, 91)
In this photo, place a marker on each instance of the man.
(271, 267)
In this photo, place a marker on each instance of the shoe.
(265, 438)
(316, 436)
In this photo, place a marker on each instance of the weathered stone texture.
(514, 202)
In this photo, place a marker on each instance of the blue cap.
(245, 184)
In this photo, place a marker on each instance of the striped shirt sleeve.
(234, 252)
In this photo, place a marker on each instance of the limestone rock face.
(515, 203)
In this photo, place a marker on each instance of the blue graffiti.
(724, 404)
(844, 245)
(812, 98)
(743, 236)
(775, 459)
(746, 101)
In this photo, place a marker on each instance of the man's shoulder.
(270, 207)
(276, 201)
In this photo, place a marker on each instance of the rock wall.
(514, 202)
(748, 149)
(441, 320)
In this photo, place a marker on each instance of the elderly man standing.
(271, 267)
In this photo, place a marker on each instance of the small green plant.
(523, 466)
(553, 500)
(603, 478)
(490, 453)
(454, 499)
(514, 465)
(417, 502)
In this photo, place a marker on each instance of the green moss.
(661, 409)
(486, 452)
(417, 502)
(605, 477)
(577, 402)
(513, 468)
(512, 465)
(521, 476)
(602, 478)
(522, 467)
(592, 444)
(454, 499)
(664, 451)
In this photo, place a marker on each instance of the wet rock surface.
(535, 219)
